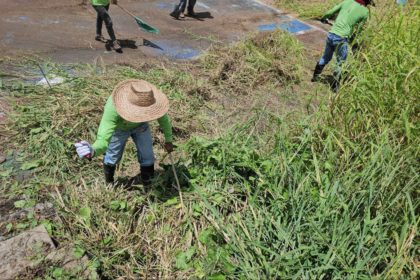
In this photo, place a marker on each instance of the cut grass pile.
(264, 59)
(334, 196)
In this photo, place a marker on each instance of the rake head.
(146, 27)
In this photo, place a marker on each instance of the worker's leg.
(328, 51)
(182, 5)
(99, 22)
(114, 153)
(326, 57)
(104, 15)
(342, 52)
(191, 4)
(144, 144)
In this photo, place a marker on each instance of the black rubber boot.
(147, 173)
(191, 13)
(317, 72)
(109, 171)
(336, 82)
(335, 85)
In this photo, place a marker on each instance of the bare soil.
(64, 30)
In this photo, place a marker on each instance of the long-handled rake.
(143, 25)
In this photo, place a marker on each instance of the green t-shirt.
(99, 2)
(111, 120)
(351, 17)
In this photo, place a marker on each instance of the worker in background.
(102, 8)
(352, 14)
(127, 112)
(179, 11)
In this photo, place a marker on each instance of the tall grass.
(340, 201)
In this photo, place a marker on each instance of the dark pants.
(183, 4)
(103, 15)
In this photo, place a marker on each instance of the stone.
(43, 210)
(24, 251)
(65, 258)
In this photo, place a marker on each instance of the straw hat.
(139, 101)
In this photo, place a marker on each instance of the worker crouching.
(127, 112)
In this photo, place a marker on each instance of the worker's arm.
(106, 129)
(166, 126)
(332, 12)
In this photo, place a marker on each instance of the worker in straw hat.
(127, 112)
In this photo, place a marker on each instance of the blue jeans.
(335, 42)
(142, 139)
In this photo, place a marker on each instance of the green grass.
(307, 9)
(333, 195)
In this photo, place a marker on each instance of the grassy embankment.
(334, 195)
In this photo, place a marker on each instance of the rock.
(24, 251)
(53, 80)
(34, 251)
(43, 210)
(65, 258)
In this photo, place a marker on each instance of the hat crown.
(141, 94)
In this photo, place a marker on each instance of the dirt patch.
(64, 30)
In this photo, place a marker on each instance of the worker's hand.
(169, 147)
(84, 149)
(115, 2)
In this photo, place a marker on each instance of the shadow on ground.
(163, 186)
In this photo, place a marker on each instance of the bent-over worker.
(352, 14)
(127, 112)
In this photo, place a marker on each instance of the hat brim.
(134, 113)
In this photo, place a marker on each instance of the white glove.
(84, 149)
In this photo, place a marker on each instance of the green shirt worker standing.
(127, 112)
(352, 14)
(102, 7)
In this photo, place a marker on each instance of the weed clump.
(266, 58)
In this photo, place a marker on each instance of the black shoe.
(147, 173)
(100, 38)
(176, 12)
(317, 72)
(191, 13)
(109, 171)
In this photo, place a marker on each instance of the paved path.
(64, 29)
